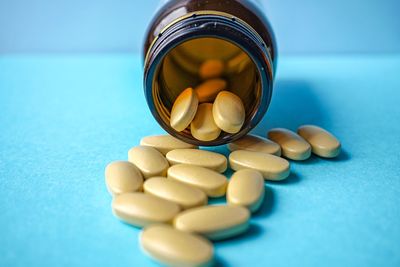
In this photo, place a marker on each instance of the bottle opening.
(180, 69)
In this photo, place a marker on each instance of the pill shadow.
(254, 231)
(217, 200)
(343, 156)
(222, 149)
(294, 102)
(220, 262)
(313, 159)
(293, 178)
(268, 205)
(228, 173)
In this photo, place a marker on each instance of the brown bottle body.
(185, 33)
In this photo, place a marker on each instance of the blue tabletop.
(63, 118)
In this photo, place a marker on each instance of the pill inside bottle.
(185, 47)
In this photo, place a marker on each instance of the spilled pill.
(141, 209)
(172, 247)
(255, 143)
(209, 89)
(228, 112)
(211, 68)
(149, 161)
(293, 145)
(271, 167)
(164, 143)
(210, 182)
(323, 143)
(246, 188)
(203, 126)
(184, 195)
(214, 222)
(184, 109)
(203, 158)
(123, 177)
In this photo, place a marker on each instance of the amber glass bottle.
(185, 33)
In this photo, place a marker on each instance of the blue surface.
(63, 118)
(307, 26)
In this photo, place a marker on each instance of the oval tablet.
(211, 68)
(208, 90)
(246, 188)
(123, 177)
(149, 161)
(210, 182)
(271, 167)
(141, 209)
(228, 112)
(165, 143)
(214, 222)
(202, 158)
(255, 143)
(238, 64)
(293, 145)
(323, 143)
(203, 126)
(183, 195)
(184, 109)
(172, 247)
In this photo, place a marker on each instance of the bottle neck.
(209, 24)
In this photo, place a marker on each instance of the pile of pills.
(209, 108)
(165, 185)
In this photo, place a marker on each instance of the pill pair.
(291, 145)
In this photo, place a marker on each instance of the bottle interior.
(179, 70)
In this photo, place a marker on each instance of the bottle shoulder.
(241, 9)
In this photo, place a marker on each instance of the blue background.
(71, 101)
(307, 26)
(63, 118)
